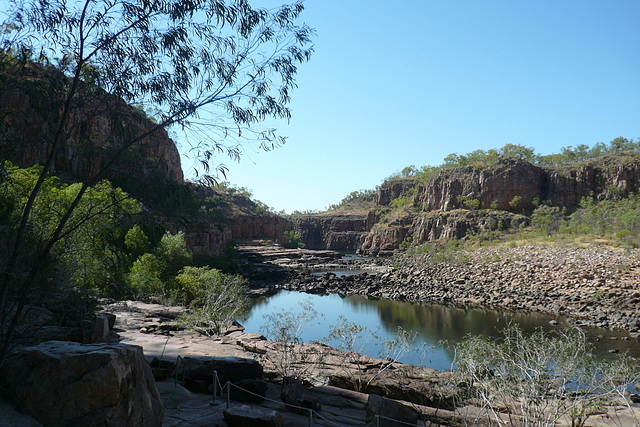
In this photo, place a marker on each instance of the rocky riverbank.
(416, 396)
(593, 285)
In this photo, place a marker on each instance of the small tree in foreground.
(352, 338)
(210, 68)
(216, 299)
(540, 379)
(287, 327)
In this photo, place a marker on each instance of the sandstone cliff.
(336, 231)
(501, 193)
(32, 99)
(497, 186)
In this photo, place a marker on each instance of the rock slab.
(244, 415)
(62, 383)
(392, 413)
(197, 372)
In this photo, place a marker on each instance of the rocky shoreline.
(592, 285)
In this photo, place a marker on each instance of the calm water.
(432, 323)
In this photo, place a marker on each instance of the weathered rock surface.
(510, 178)
(258, 226)
(65, 383)
(198, 372)
(243, 416)
(437, 225)
(296, 396)
(339, 231)
(391, 412)
(32, 104)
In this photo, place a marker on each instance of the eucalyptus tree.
(214, 69)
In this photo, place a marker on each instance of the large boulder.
(197, 372)
(296, 396)
(61, 383)
(392, 413)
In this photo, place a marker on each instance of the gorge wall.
(498, 186)
(502, 193)
(335, 231)
(33, 98)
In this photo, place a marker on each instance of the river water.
(432, 324)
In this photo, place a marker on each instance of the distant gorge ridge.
(438, 212)
(31, 105)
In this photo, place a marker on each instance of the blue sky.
(393, 84)
(399, 83)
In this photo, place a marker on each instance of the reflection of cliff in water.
(436, 323)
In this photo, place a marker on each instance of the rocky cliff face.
(436, 225)
(99, 124)
(340, 231)
(441, 210)
(392, 189)
(250, 227)
(499, 186)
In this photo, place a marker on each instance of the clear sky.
(399, 83)
(393, 84)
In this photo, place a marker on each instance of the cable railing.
(225, 391)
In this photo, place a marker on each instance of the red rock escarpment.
(99, 124)
(339, 231)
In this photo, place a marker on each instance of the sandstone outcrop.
(497, 186)
(98, 126)
(394, 188)
(198, 372)
(437, 225)
(258, 226)
(61, 383)
(339, 231)
(500, 194)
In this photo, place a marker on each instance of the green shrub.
(516, 202)
(173, 254)
(144, 278)
(292, 240)
(136, 241)
(547, 218)
(215, 298)
(469, 203)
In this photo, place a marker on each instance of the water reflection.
(432, 323)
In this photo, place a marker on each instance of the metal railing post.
(228, 385)
(175, 378)
(310, 418)
(377, 420)
(215, 386)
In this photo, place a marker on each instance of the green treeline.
(109, 248)
(479, 159)
(617, 220)
(489, 158)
